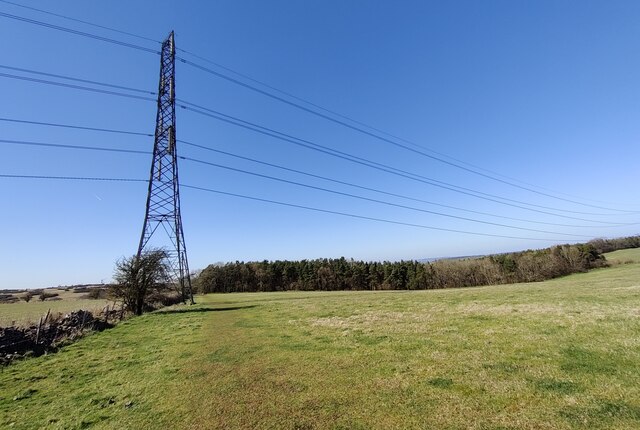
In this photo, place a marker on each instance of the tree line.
(343, 274)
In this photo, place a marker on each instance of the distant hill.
(464, 257)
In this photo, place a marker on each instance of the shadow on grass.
(199, 310)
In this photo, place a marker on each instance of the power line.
(288, 169)
(97, 148)
(382, 138)
(383, 167)
(81, 21)
(77, 127)
(359, 216)
(355, 196)
(314, 146)
(73, 178)
(76, 87)
(79, 33)
(65, 146)
(311, 145)
(86, 81)
(279, 91)
(353, 158)
(308, 174)
(293, 96)
(288, 94)
(297, 141)
(387, 221)
(130, 45)
(264, 176)
(127, 33)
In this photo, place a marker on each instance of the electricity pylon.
(162, 216)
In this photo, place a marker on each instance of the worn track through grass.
(561, 354)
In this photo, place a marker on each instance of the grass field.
(23, 313)
(624, 256)
(562, 354)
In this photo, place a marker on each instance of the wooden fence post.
(38, 331)
(84, 316)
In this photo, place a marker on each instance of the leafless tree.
(138, 278)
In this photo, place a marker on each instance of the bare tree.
(138, 278)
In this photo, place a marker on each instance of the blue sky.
(544, 93)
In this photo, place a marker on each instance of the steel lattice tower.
(163, 201)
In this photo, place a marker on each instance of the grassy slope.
(554, 355)
(624, 256)
(23, 313)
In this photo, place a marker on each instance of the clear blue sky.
(543, 92)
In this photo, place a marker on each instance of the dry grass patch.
(23, 314)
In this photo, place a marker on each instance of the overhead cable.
(107, 149)
(384, 139)
(312, 175)
(360, 216)
(77, 127)
(305, 143)
(65, 146)
(75, 87)
(86, 81)
(456, 164)
(386, 168)
(148, 39)
(79, 33)
(279, 203)
(73, 178)
(355, 196)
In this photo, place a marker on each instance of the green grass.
(562, 354)
(624, 256)
(22, 313)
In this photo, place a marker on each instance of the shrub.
(139, 278)
(27, 296)
(44, 295)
